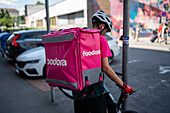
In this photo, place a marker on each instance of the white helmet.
(103, 17)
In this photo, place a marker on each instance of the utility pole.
(90, 12)
(47, 16)
(48, 30)
(125, 37)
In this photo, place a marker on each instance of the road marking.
(162, 82)
(165, 82)
(133, 61)
(164, 69)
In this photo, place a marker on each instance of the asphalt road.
(148, 74)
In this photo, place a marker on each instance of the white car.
(113, 44)
(32, 62)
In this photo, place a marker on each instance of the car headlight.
(33, 61)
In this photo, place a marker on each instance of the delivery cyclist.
(101, 21)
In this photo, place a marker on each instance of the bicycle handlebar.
(122, 97)
(119, 74)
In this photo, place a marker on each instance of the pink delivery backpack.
(71, 56)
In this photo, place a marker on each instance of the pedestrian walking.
(137, 33)
(162, 33)
(159, 33)
(166, 33)
(96, 103)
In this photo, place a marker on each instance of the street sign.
(125, 40)
(164, 14)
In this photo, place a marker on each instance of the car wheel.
(44, 72)
(110, 59)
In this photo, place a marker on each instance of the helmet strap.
(102, 30)
(99, 28)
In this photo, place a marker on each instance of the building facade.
(65, 14)
(12, 12)
(77, 13)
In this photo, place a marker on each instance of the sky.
(20, 4)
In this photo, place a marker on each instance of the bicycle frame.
(117, 104)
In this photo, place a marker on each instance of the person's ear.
(102, 27)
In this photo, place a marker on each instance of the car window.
(39, 35)
(35, 35)
(24, 36)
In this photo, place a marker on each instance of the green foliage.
(7, 15)
(6, 22)
(2, 13)
(39, 3)
(20, 19)
(5, 19)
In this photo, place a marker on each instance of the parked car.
(23, 40)
(113, 44)
(35, 66)
(32, 66)
(3, 37)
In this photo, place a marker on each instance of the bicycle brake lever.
(132, 93)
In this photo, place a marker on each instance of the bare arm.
(110, 73)
(167, 31)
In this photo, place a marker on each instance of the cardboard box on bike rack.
(71, 55)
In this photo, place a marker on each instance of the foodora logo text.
(57, 62)
(89, 53)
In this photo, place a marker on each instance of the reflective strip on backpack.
(58, 38)
(93, 75)
(74, 85)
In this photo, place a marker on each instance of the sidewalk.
(145, 43)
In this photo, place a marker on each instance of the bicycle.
(114, 106)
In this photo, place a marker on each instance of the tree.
(20, 19)
(39, 3)
(7, 15)
(6, 19)
(2, 14)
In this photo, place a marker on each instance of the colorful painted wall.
(145, 12)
